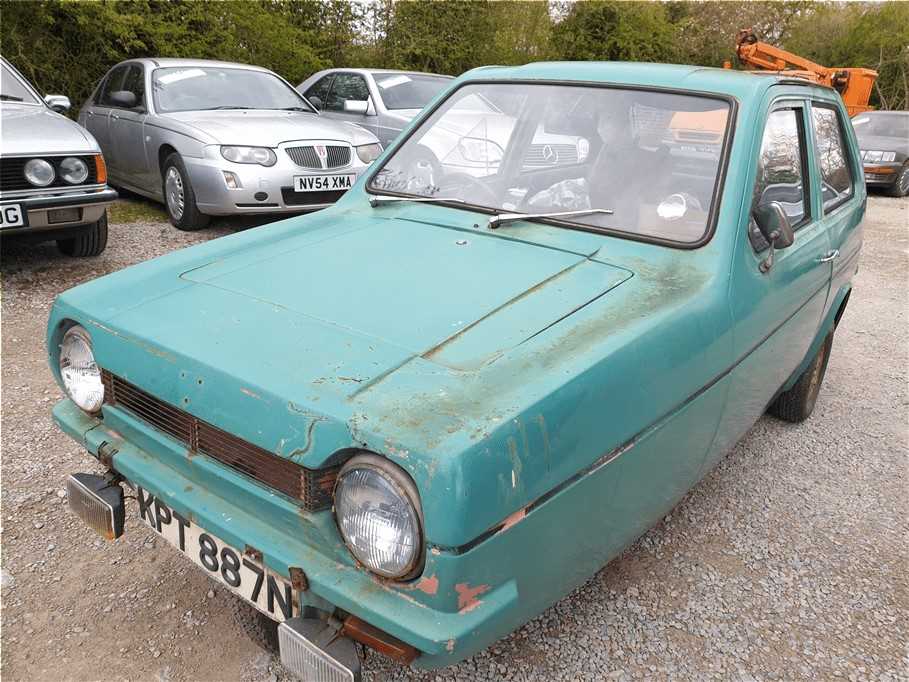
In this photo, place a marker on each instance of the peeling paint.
(449, 647)
(251, 394)
(467, 596)
(429, 585)
(513, 519)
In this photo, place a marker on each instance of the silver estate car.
(216, 138)
(380, 100)
(52, 175)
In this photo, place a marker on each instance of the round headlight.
(81, 374)
(377, 509)
(39, 172)
(73, 170)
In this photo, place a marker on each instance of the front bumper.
(204, 491)
(90, 203)
(263, 189)
(882, 174)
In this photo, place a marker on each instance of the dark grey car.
(883, 137)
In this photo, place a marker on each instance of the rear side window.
(781, 172)
(836, 174)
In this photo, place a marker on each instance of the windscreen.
(408, 90)
(883, 124)
(651, 158)
(194, 88)
(12, 89)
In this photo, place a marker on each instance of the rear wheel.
(258, 627)
(900, 188)
(180, 198)
(91, 241)
(797, 404)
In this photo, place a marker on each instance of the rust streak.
(467, 596)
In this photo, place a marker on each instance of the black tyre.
(900, 188)
(258, 627)
(179, 197)
(90, 241)
(797, 404)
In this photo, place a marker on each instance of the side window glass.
(112, 84)
(836, 175)
(135, 83)
(346, 86)
(780, 173)
(320, 89)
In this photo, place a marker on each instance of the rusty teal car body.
(552, 388)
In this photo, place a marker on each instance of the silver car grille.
(320, 156)
(551, 155)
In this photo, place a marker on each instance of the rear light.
(100, 169)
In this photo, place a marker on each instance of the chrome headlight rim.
(33, 165)
(79, 333)
(404, 486)
(246, 154)
(73, 170)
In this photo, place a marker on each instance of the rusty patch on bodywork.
(513, 519)
(467, 596)
(298, 579)
(428, 585)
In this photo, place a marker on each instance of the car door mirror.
(316, 102)
(774, 224)
(356, 106)
(123, 98)
(58, 103)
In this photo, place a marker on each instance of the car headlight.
(73, 170)
(81, 374)
(39, 172)
(260, 155)
(878, 156)
(479, 150)
(378, 513)
(369, 152)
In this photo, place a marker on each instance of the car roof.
(374, 71)
(167, 62)
(677, 76)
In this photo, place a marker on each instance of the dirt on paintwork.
(788, 561)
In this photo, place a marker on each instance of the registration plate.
(322, 183)
(242, 574)
(12, 215)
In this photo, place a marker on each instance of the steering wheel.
(472, 188)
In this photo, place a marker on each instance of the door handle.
(829, 256)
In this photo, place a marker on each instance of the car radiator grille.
(313, 487)
(551, 155)
(336, 156)
(12, 173)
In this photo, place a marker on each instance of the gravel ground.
(790, 560)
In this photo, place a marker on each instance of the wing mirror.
(774, 224)
(58, 103)
(123, 98)
(356, 106)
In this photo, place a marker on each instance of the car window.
(12, 89)
(113, 83)
(781, 172)
(346, 86)
(135, 83)
(320, 89)
(641, 175)
(882, 124)
(836, 174)
(408, 90)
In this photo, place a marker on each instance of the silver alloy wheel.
(173, 192)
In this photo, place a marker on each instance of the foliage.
(66, 46)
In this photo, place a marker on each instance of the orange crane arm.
(853, 84)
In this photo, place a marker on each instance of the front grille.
(311, 486)
(292, 198)
(551, 155)
(336, 156)
(12, 172)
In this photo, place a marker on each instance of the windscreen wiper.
(379, 199)
(224, 106)
(303, 109)
(496, 220)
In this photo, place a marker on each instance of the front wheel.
(900, 188)
(797, 404)
(180, 198)
(91, 241)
